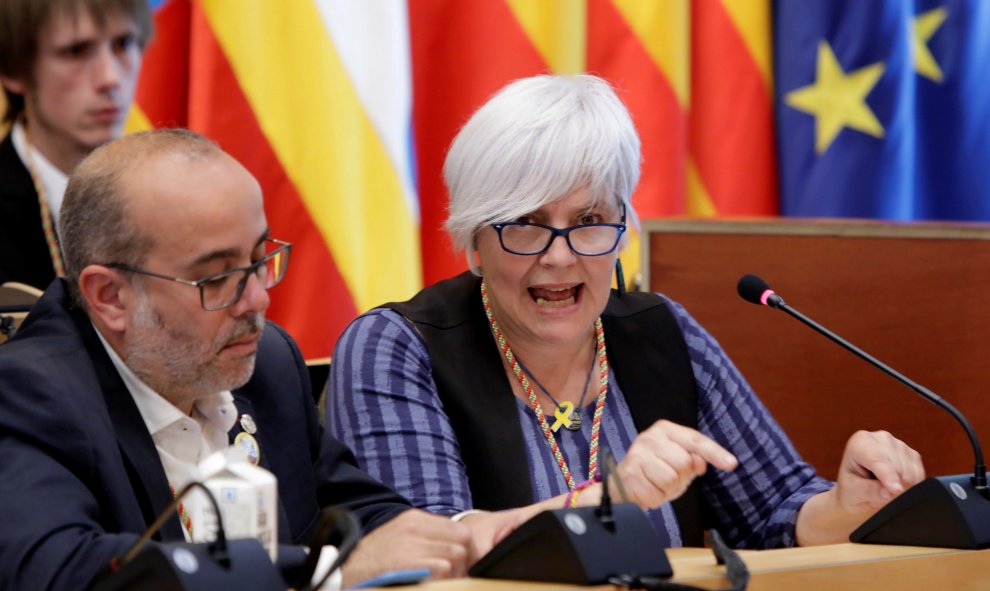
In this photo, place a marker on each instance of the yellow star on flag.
(923, 27)
(837, 99)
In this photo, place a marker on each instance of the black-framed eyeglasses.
(222, 290)
(530, 238)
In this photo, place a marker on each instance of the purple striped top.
(382, 402)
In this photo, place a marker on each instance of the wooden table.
(819, 568)
(842, 566)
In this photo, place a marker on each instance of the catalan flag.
(315, 99)
(883, 108)
(695, 75)
(344, 110)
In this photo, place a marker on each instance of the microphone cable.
(735, 571)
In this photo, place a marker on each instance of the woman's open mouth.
(555, 297)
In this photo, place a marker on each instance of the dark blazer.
(79, 474)
(23, 251)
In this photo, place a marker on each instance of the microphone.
(582, 545)
(942, 511)
(221, 564)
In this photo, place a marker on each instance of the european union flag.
(883, 108)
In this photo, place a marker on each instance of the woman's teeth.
(554, 298)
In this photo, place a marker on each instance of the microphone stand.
(944, 511)
(581, 545)
(979, 470)
(217, 549)
(239, 564)
(604, 510)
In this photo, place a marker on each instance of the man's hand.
(414, 539)
(488, 528)
(664, 459)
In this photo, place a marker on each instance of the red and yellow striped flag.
(314, 97)
(695, 75)
(289, 90)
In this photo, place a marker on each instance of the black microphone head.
(755, 290)
(751, 288)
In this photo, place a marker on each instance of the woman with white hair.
(496, 389)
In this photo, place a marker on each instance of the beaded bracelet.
(570, 501)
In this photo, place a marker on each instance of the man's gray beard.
(180, 368)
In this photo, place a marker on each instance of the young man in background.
(68, 70)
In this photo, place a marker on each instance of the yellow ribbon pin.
(563, 415)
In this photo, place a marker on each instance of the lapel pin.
(250, 445)
(248, 424)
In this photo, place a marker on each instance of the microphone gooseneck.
(217, 548)
(331, 518)
(755, 290)
(182, 566)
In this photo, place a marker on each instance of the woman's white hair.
(535, 141)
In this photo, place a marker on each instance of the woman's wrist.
(824, 520)
(571, 500)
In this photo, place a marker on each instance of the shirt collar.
(159, 413)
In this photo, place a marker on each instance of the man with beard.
(153, 353)
(68, 70)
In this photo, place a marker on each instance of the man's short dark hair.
(22, 22)
(95, 226)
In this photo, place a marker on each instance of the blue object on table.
(395, 578)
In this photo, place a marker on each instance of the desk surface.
(820, 568)
(843, 566)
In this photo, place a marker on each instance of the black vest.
(646, 351)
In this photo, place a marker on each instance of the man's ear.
(13, 85)
(107, 296)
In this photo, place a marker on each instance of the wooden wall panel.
(914, 296)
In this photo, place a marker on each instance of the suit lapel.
(244, 407)
(144, 467)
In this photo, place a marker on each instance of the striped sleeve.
(756, 505)
(383, 403)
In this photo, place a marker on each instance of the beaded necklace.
(503, 345)
(46, 216)
(567, 415)
(183, 516)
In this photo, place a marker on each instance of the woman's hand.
(875, 468)
(664, 459)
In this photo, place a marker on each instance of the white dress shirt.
(183, 441)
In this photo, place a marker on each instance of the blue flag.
(883, 108)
